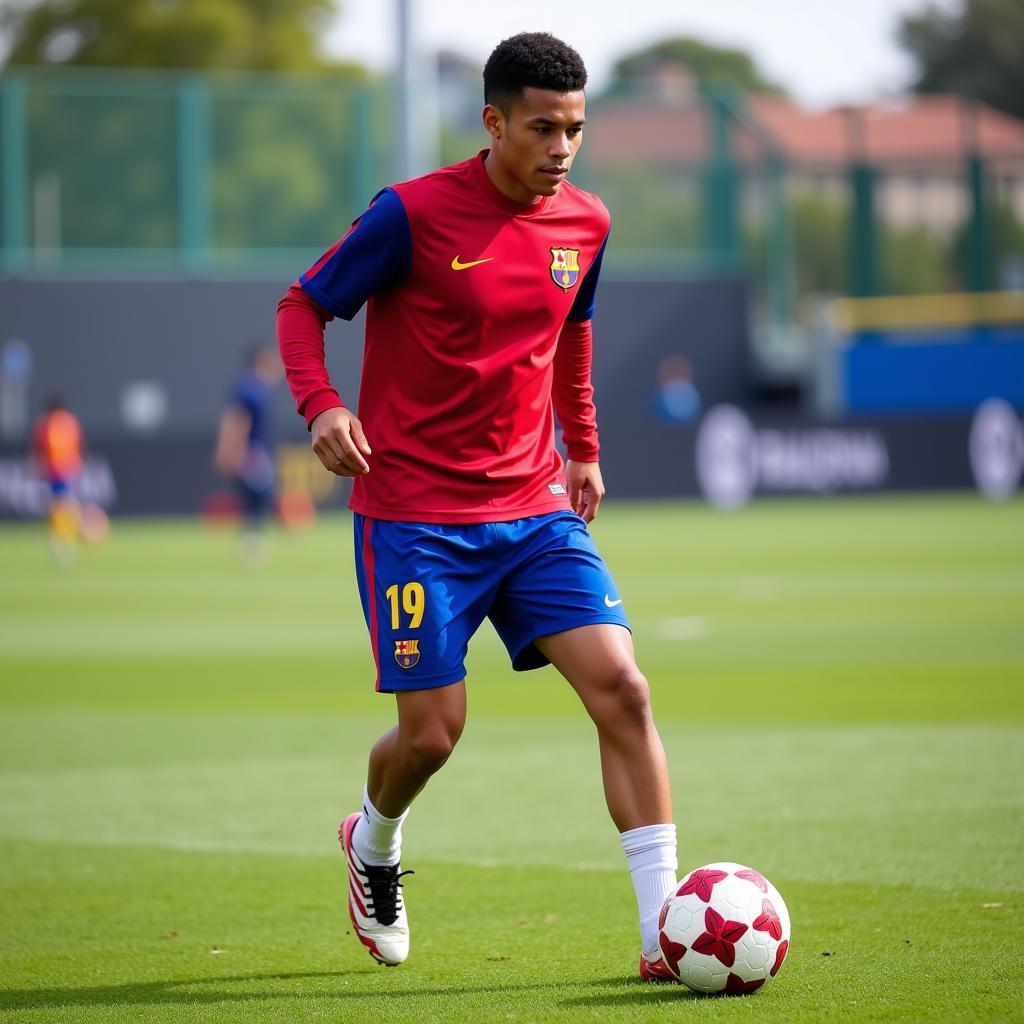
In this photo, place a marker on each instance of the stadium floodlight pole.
(416, 98)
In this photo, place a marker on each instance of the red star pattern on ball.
(754, 876)
(736, 986)
(673, 952)
(720, 938)
(701, 882)
(780, 955)
(768, 921)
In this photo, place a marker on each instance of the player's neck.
(506, 184)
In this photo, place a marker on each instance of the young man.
(479, 281)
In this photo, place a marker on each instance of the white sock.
(376, 839)
(651, 853)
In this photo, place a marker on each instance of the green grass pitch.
(840, 688)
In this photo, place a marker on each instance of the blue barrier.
(947, 371)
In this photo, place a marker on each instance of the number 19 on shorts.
(408, 598)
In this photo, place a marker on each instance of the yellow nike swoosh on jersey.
(456, 265)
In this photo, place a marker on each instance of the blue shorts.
(426, 589)
(256, 501)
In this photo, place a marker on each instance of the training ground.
(840, 689)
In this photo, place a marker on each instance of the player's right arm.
(374, 255)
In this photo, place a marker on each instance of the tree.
(256, 35)
(278, 161)
(820, 233)
(711, 65)
(1006, 244)
(974, 52)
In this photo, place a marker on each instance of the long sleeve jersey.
(477, 330)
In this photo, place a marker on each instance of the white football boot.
(375, 902)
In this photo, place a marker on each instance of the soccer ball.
(724, 929)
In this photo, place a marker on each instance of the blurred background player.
(245, 450)
(57, 444)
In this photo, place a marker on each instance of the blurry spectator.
(245, 450)
(677, 399)
(57, 443)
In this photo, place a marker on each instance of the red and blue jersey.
(477, 328)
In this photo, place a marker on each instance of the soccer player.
(245, 448)
(57, 443)
(479, 281)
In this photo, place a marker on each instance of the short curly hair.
(535, 59)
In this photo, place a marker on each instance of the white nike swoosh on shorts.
(610, 603)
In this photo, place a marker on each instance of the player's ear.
(494, 120)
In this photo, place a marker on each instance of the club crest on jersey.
(565, 267)
(407, 653)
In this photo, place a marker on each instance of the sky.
(823, 52)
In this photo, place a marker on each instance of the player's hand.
(586, 488)
(339, 442)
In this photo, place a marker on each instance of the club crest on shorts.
(407, 653)
(565, 267)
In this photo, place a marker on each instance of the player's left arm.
(573, 397)
(586, 488)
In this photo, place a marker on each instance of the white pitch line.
(328, 850)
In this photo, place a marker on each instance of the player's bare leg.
(430, 723)
(598, 662)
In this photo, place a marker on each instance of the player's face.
(533, 144)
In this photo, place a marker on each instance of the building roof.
(922, 129)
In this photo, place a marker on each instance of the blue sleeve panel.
(375, 254)
(586, 297)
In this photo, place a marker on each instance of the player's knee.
(433, 745)
(629, 697)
